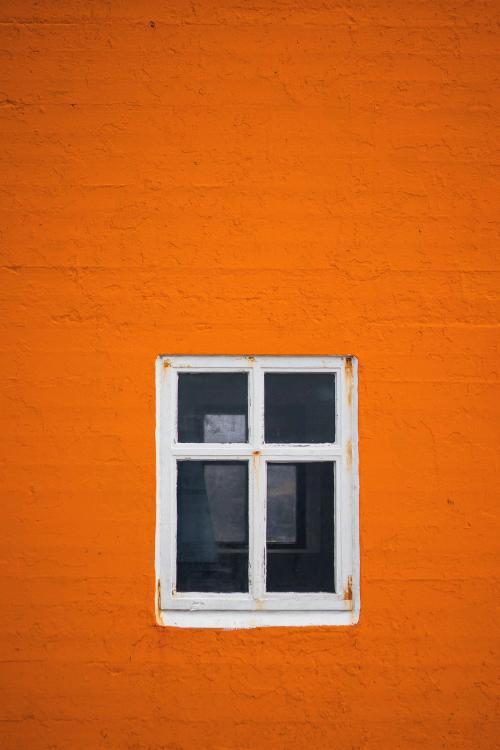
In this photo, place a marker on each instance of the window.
(257, 502)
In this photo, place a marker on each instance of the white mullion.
(257, 516)
(211, 455)
(257, 408)
(259, 553)
(212, 450)
(305, 454)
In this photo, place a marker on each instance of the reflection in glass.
(212, 526)
(213, 407)
(299, 407)
(300, 527)
(282, 504)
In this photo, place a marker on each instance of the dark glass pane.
(300, 527)
(212, 526)
(282, 504)
(300, 407)
(213, 407)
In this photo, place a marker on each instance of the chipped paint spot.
(166, 363)
(251, 359)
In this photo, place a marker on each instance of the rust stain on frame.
(348, 590)
(348, 454)
(158, 599)
(166, 363)
(349, 379)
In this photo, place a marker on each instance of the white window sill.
(231, 620)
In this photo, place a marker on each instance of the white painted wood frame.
(258, 608)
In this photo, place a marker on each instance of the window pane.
(282, 504)
(299, 407)
(213, 407)
(212, 526)
(300, 527)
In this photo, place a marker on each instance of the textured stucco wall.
(294, 176)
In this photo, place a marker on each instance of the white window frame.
(258, 608)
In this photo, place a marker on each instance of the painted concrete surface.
(268, 177)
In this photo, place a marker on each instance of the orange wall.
(284, 176)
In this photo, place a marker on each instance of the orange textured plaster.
(272, 177)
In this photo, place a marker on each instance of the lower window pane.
(212, 526)
(300, 527)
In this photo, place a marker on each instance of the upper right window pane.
(299, 407)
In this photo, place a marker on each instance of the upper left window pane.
(213, 407)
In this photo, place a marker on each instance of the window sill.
(232, 619)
